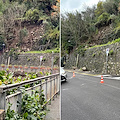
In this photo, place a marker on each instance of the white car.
(63, 74)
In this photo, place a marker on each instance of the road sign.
(107, 51)
(41, 57)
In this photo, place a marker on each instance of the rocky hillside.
(103, 35)
(30, 37)
(29, 25)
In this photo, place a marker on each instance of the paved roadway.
(85, 98)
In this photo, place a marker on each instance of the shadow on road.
(64, 82)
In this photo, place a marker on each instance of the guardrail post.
(50, 90)
(32, 88)
(56, 84)
(40, 91)
(59, 81)
(3, 100)
(19, 100)
(54, 87)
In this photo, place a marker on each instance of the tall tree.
(111, 6)
(99, 9)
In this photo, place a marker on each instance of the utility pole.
(107, 52)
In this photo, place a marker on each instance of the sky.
(79, 5)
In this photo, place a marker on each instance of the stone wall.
(32, 59)
(94, 59)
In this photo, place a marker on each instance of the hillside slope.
(34, 34)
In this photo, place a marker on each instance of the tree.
(99, 9)
(10, 15)
(32, 15)
(111, 6)
(73, 30)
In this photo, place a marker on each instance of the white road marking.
(82, 84)
(112, 86)
(70, 78)
(64, 89)
(105, 76)
(105, 84)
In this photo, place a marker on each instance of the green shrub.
(32, 108)
(44, 59)
(96, 32)
(56, 50)
(28, 59)
(23, 32)
(112, 18)
(82, 51)
(93, 55)
(56, 59)
(117, 30)
(33, 15)
(111, 52)
(115, 41)
(102, 20)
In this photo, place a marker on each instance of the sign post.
(52, 62)
(41, 57)
(107, 52)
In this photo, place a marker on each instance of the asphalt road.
(85, 98)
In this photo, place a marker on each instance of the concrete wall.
(31, 59)
(94, 59)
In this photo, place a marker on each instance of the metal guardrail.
(49, 84)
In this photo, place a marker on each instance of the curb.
(83, 73)
(96, 75)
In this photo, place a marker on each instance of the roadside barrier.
(50, 85)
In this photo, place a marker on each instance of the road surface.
(85, 98)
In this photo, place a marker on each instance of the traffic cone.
(73, 74)
(102, 79)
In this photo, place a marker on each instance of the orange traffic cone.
(102, 79)
(73, 74)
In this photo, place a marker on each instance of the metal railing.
(49, 84)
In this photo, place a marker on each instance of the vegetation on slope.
(94, 26)
(29, 24)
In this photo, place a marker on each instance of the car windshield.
(62, 70)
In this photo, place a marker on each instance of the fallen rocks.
(84, 69)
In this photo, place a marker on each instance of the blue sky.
(73, 5)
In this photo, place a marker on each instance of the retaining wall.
(31, 59)
(94, 59)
